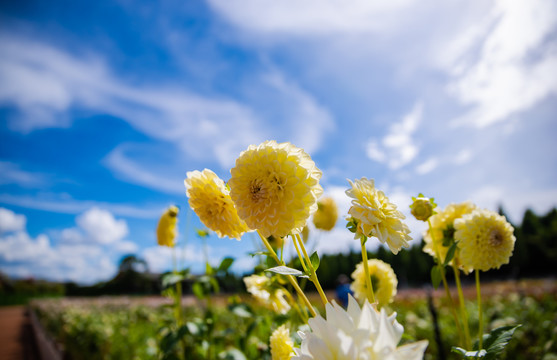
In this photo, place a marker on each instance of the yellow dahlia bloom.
(326, 215)
(275, 188)
(383, 281)
(376, 216)
(281, 344)
(166, 229)
(261, 287)
(442, 224)
(210, 199)
(485, 240)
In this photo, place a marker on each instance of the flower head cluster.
(326, 215)
(422, 207)
(383, 280)
(166, 229)
(441, 234)
(266, 293)
(376, 216)
(275, 188)
(485, 240)
(210, 199)
(356, 334)
(281, 344)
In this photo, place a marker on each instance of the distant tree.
(132, 263)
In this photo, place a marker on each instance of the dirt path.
(16, 337)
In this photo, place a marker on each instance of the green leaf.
(258, 253)
(209, 269)
(469, 354)
(450, 254)
(285, 270)
(352, 225)
(225, 264)
(314, 258)
(214, 284)
(202, 233)
(497, 339)
(171, 279)
(198, 291)
(436, 276)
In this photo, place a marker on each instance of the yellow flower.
(281, 344)
(383, 281)
(166, 229)
(442, 226)
(210, 199)
(275, 188)
(422, 207)
(376, 216)
(261, 287)
(326, 215)
(485, 240)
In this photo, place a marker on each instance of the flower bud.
(422, 207)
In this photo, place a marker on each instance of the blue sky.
(105, 105)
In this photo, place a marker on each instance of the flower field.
(139, 328)
(274, 191)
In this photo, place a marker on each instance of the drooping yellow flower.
(166, 229)
(281, 344)
(485, 240)
(376, 216)
(210, 199)
(326, 215)
(261, 287)
(275, 188)
(442, 226)
(383, 281)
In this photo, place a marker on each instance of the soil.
(16, 335)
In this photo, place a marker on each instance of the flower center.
(257, 191)
(495, 238)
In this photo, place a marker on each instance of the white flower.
(356, 334)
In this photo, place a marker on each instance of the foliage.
(119, 329)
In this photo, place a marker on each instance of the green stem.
(480, 313)
(178, 302)
(313, 274)
(452, 304)
(370, 294)
(302, 261)
(463, 312)
(290, 278)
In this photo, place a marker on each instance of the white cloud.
(307, 121)
(63, 203)
(515, 66)
(55, 82)
(464, 156)
(427, 166)
(125, 247)
(514, 203)
(397, 148)
(79, 255)
(11, 173)
(101, 227)
(10, 221)
(312, 17)
(127, 169)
